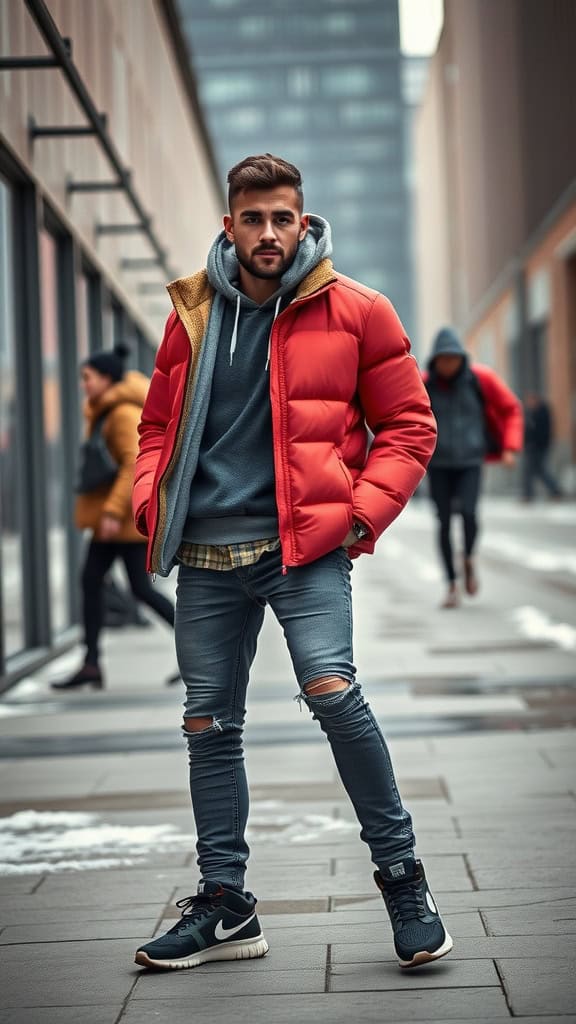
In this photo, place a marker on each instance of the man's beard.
(267, 275)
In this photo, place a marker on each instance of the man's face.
(448, 366)
(266, 227)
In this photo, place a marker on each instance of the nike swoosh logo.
(430, 903)
(221, 932)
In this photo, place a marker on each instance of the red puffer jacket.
(339, 360)
(503, 412)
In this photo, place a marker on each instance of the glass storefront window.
(107, 323)
(57, 498)
(11, 539)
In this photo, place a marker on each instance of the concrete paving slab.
(522, 857)
(88, 891)
(104, 1013)
(487, 947)
(386, 977)
(84, 929)
(23, 884)
(306, 958)
(410, 786)
(523, 875)
(169, 985)
(266, 765)
(417, 1005)
(59, 914)
(44, 976)
(549, 989)
(540, 918)
(311, 906)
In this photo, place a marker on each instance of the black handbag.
(97, 468)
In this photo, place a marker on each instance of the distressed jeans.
(218, 619)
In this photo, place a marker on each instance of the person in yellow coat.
(114, 400)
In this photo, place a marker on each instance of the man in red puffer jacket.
(254, 475)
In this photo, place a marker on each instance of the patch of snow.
(34, 841)
(303, 828)
(536, 625)
(537, 559)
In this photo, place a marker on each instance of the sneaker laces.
(194, 908)
(406, 900)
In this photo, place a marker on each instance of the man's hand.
(349, 539)
(508, 459)
(109, 528)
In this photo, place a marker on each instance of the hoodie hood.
(132, 389)
(223, 268)
(446, 343)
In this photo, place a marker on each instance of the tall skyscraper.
(319, 84)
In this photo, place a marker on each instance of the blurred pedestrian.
(537, 442)
(479, 419)
(253, 474)
(114, 400)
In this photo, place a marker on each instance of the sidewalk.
(96, 827)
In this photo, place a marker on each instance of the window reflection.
(57, 498)
(10, 448)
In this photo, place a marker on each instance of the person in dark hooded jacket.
(479, 419)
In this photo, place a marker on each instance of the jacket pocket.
(346, 472)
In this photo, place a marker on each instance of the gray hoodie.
(458, 408)
(232, 494)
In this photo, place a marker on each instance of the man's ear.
(229, 227)
(304, 225)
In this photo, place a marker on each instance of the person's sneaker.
(470, 577)
(419, 935)
(216, 924)
(452, 599)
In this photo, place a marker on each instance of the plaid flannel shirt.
(224, 557)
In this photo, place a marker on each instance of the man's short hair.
(265, 172)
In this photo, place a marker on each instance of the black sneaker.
(216, 924)
(419, 935)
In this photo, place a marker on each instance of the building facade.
(319, 84)
(496, 197)
(99, 208)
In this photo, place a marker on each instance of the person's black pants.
(535, 468)
(99, 559)
(455, 490)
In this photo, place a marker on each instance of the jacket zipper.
(275, 354)
(281, 477)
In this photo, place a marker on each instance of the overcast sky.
(420, 25)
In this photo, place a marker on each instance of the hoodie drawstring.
(276, 311)
(234, 337)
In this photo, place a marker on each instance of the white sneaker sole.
(424, 957)
(244, 949)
